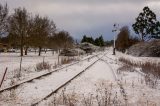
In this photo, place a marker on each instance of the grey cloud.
(87, 16)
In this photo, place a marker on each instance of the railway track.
(44, 75)
(113, 72)
(122, 90)
(65, 83)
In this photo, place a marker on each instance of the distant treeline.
(98, 41)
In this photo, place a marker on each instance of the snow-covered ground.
(12, 62)
(96, 78)
(98, 85)
(138, 92)
(31, 92)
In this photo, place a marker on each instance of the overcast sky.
(90, 17)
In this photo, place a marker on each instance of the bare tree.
(19, 27)
(40, 32)
(122, 41)
(63, 40)
(52, 32)
(30, 31)
(3, 18)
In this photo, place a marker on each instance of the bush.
(43, 66)
(147, 49)
(67, 60)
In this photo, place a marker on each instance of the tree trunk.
(52, 52)
(35, 51)
(40, 48)
(45, 51)
(22, 44)
(21, 50)
(142, 37)
(58, 56)
(20, 69)
(26, 51)
(58, 60)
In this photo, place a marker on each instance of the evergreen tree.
(90, 40)
(156, 30)
(97, 42)
(84, 39)
(145, 23)
(101, 41)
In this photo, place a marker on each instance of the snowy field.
(12, 62)
(101, 84)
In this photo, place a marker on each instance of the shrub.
(125, 68)
(67, 60)
(43, 66)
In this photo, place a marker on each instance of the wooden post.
(20, 67)
(3, 77)
(43, 61)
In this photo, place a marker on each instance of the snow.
(89, 82)
(12, 62)
(137, 91)
(99, 72)
(30, 92)
(103, 74)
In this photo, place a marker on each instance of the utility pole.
(115, 29)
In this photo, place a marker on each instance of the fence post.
(3, 77)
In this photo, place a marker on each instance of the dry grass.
(103, 96)
(128, 62)
(151, 70)
(65, 61)
(68, 60)
(146, 67)
(125, 68)
(43, 66)
(63, 99)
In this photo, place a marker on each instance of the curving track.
(122, 90)
(67, 82)
(88, 82)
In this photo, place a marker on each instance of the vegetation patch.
(147, 49)
(146, 67)
(43, 66)
(150, 70)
